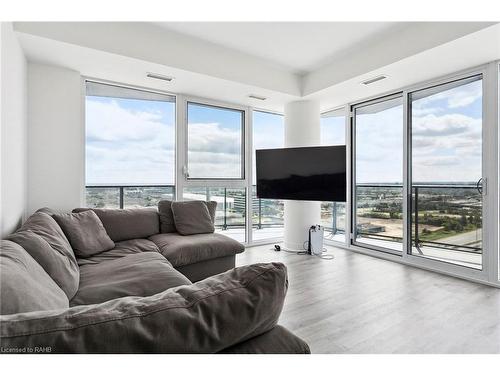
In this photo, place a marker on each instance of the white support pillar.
(302, 128)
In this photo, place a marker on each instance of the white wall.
(13, 132)
(56, 138)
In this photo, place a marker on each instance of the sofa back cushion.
(85, 232)
(192, 217)
(167, 222)
(45, 241)
(127, 224)
(24, 285)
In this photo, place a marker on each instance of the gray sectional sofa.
(154, 290)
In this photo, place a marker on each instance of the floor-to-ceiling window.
(446, 172)
(378, 174)
(129, 146)
(268, 131)
(216, 164)
(333, 214)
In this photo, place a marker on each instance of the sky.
(447, 135)
(446, 139)
(133, 141)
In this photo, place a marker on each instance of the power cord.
(322, 256)
(279, 248)
(305, 252)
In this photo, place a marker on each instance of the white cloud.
(108, 122)
(445, 125)
(457, 97)
(126, 146)
(379, 146)
(211, 137)
(441, 161)
(214, 151)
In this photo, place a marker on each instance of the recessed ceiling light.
(258, 97)
(160, 76)
(373, 80)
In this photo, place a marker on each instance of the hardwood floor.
(361, 304)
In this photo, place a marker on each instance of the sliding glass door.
(446, 178)
(377, 163)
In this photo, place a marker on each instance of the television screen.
(302, 173)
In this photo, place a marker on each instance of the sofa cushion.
(121, 249)
(182, 250)
(212, 209)
(58, 266)
(128, 224)
(46, 210)
(45, 241)
(142, 274)
(192, 217)
(205, 317)
(85, 233)
(24, 285)
(167, 222)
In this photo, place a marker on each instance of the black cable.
(306, 252)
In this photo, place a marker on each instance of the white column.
(302, 128)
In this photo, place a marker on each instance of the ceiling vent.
(160, 76)
(252, 96)
(373, 80)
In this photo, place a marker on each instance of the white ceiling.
(299, 46)
(124, 52)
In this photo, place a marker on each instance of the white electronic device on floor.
(316, 240)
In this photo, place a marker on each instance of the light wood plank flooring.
(361, 304)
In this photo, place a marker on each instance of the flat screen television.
(302, 173)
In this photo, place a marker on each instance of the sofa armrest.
(278, 340)
(205, 317)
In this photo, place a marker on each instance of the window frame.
(352, 191)
(343, 110)
(465, 79)
(175, 101)
(490, 273)
(269, 240)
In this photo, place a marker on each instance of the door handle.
(481, 186)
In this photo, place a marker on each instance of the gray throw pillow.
(192, 217)
(85, 232)
(45, 241)
(24, 285)
(61, 268)
(167, 222)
